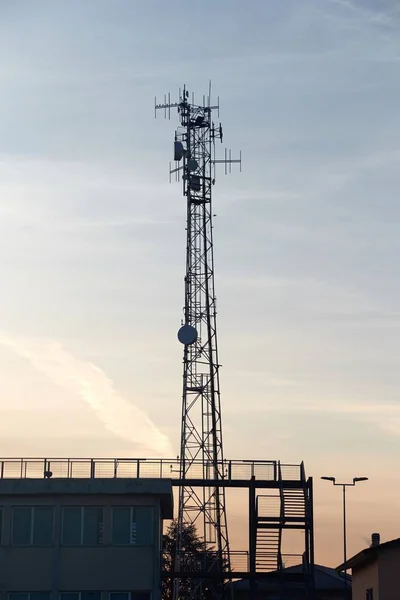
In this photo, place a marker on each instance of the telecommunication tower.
(201, 449)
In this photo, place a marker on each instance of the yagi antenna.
(166, 106)
(228, 161)
(194, 118)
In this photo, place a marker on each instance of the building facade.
(375, 572)
(82, 539)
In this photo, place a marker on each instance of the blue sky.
(92, 235)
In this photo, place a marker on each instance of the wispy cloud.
(385, 416)
(91, 384)
(109, 198)
(368, 15)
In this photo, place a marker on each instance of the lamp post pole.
(344, 486)
(344, 540)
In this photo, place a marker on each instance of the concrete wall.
(364, 578)
(389, 574)
(382, 576)
(102, 567)
(78, 568)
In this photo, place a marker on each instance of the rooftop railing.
(240, 561)
(266, 561)
(158, 468)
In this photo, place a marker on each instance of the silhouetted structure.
(80, 537)
(344, 486)
(328, 585)
(279, 502)
(375, 571)
(201, 427)
(204, 474)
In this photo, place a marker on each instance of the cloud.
(367, 15)
(92, 385)
(91, 199)
(385, 416)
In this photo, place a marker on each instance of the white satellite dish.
(187, 335)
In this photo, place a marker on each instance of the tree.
(195, 558)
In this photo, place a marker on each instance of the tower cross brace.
(201, 425)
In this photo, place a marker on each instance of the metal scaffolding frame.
(202, 501)
(201, 427)
(264, 559)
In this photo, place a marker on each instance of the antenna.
(166, 106)
(201, 430)
(204, 474)
(202, 114)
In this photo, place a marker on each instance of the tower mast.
(201, 448)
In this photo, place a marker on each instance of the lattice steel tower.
(201, 450)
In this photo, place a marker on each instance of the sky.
(92, 237)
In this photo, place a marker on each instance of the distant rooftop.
(325, 579)
(369, 554)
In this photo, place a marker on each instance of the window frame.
(32, 529)
(79, 594)
(82, 527)
(132, 520)
(135, 525)
(130, 595)
(10, 595)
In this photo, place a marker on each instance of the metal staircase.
(294, 505)
(268, 549)
(286, 506)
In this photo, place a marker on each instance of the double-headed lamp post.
(344, 486)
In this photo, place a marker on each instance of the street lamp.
(344, 486)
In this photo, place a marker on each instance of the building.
(82, 538)
(328, 585)
(375, 571)
(90, 529)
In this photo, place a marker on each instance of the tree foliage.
(195, 558)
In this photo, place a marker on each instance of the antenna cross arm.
(176, 170)
(227, 161)
(168, 105)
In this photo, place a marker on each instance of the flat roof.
(160, 488)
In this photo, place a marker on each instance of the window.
(132, 525)
(82, 526)
(130, 596)
(80, 596)
(32, 526)
(369, 594)
(28, 596)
